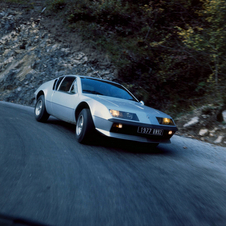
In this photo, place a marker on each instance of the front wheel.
(84, 126)
(41, 114)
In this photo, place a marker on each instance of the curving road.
(46, 176)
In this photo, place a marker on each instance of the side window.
(57, 82)
(74, 88)
(66, 84)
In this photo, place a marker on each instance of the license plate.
(150, 131)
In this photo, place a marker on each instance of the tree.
(209, 36)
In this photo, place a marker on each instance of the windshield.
(105, 88)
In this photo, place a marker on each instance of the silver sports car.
(104, 106)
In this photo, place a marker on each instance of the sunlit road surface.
(45, 175)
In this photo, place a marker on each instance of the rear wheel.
(84, 126)
(41, 114)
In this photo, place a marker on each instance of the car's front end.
(130, 120)
(141, 132)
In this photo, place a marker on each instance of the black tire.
(84, 127)
(40, 112)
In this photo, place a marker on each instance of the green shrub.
(141, 39)
(57, 5)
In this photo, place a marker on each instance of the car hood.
(126, 105)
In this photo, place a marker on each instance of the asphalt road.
(46, 176)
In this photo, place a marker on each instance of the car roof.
(95, 78)
(103, 80)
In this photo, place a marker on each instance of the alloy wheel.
(79, 125)
(38, 107)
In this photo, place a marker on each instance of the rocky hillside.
(32, 52)
(207, 123)
(35, 49)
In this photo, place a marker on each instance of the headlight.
(165, 121)
(115, 113)
(124, 115)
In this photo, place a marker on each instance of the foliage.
(29, 3)
(209, 37)
(170, 52)
(15, 1)
(153, 45)
(58, 4)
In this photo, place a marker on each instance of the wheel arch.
(80, 107)
(41, 92)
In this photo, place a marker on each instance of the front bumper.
(129, 130)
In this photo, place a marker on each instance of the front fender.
(98, 109)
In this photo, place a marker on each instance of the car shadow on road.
(132, 146)
(67, 126)
(117, 144)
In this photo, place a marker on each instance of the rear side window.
(57, 83)
(66, 84)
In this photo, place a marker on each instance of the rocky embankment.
(35, 49)
(31, 55)
(207, 123)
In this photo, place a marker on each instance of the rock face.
(203, 123)
(203, 132)
(30, 55)
(192, 122)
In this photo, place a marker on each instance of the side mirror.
(142, 102)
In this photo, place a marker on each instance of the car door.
(65, 99)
